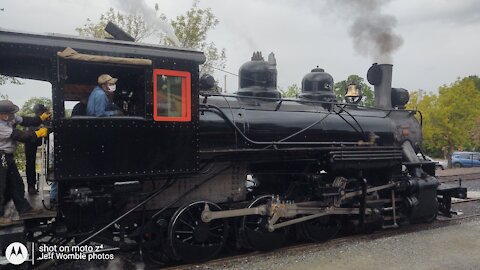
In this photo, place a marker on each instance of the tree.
(134, 25)
(27, 108)
(457, 112)
(7, 79)
(476, 134)
(427, 106)
(292, 91)
(192, 29)
(450, 120)
(341, 87)
(476, 80)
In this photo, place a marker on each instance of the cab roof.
(30, 55)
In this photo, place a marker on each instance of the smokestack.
(380, 75)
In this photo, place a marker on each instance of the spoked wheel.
(320, 229)
(192, 240)
(254, 232)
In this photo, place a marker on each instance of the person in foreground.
(11, 183)
(31, 153)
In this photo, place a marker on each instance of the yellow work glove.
(45, 116)
(41, 132)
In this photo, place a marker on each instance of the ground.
(443, 244)
(446, 247)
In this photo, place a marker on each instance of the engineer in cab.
(100, 101)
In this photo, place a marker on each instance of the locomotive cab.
(155, 96)
(157, 91)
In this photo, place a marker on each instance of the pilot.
(11, 183)
(100, 101)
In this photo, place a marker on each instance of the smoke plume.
(372, 32)
(141, 8)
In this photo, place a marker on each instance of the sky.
(435, 41)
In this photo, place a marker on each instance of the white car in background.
(439, 164)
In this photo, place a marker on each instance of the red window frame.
(186, 95)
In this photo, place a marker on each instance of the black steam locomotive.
(187, 170)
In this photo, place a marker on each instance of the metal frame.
(186, 95)
(277, 209)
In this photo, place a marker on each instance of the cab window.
(80, 78)
(172, 95)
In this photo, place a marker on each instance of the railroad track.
(257, 255)
(465, 200)
(439, 222)
(458, 177)
(240, 257)
(299, 247)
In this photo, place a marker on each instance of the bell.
(354, 94)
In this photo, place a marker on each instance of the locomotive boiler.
(186, 170)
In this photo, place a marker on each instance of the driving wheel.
(254, 232)
(192, 240)
(320, 229)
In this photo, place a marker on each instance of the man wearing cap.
(100, 100)
(11, 183)
(31, 153)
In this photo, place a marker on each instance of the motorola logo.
(16, 253)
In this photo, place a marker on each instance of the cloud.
(458, 13)
(371, 30)
(441, 38)
(149, 15)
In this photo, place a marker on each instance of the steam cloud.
(371, 31)
(140, 7)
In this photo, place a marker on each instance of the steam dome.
(258, 77)
(318, 85)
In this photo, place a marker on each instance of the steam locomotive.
(187, 170)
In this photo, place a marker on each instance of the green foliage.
(20, 157)
(341, 87)
(134, 25)
(27, 108)
(476, 80)
(192, 29)
(68, 113)
(292, 91)
(450, 119)
(7, 79)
